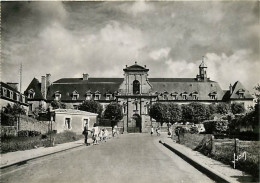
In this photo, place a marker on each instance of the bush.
(216, 127)
(7, 119)
(237, 108)
(27, 133)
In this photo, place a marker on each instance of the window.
(108, 96)
(11, 95)
(124, 108)
(68, 123)
(184, 97)
(57, 96)
(136, 87)
(174, 97)
(213, 97)
(17, 97)
(241, 95)
(97, 97)
(165, 97)
(8, 93)
(75, 97)
(30, 107)
(31, 93)
(4, 92)
(195, 97)
(88, 97)
(23, 99)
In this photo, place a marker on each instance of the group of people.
(97, 134)
(157, 129)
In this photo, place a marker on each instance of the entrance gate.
(134, 126)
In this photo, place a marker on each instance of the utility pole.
(20, 98)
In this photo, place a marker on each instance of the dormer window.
(75, 95)
(195, 95)
(174, 95)
(57, 95)
(184, 96)
(31, 94)
(213, 95)
(108, 96)
(241, 93)
(97, 95)
(88, 95)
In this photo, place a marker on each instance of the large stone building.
(136, 92)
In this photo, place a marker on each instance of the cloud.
(160, 54)
(137, 8)
(236, 67)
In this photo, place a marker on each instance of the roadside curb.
(201, 167)
(36, 157)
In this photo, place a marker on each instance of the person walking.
(158, 131)
(85, 133)
(95, 134)
(152, 131)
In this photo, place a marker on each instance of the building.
(74, 120)
(136, 92)
(11, 95)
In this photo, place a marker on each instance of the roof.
(74, 111)
(36, 86)
(136, 67)
(189, 86)
(103, 85)
(14, 99)
(236, 88)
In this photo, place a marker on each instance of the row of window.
(185, 97)
(12, 95)
(57, 96)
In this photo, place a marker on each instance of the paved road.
(129, 158)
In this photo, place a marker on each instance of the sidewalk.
(11, 158)
(212, 168)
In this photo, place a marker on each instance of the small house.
(73, 120)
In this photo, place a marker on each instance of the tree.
(113, 112)
(199, 112)
(158, 111)
(237, 108)
(14, 109)
(187, 112)
(212, 109)
(257, 93)
(174, 112)
(91, 106)
(222, 108)
(58, 105)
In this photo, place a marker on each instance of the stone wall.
(27, 123)
(8, 130)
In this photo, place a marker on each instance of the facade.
(10, 95)
(137, 92)
(73, 120)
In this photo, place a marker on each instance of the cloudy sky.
(67, 39)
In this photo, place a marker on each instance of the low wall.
(27, 123)
(8, 130)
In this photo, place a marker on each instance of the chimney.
(13, 85)
(48, 81)
(85, 76)
(43, 87)
(230, 88)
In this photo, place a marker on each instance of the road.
(129, 158)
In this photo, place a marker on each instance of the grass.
(11, 144)
(225, 152)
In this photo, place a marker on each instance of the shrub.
(216, 127)
(237, 108)
(27, 133)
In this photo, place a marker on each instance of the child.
(151, 130)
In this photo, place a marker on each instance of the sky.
(67, 39)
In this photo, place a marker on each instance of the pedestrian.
(85, 133)
(152, 130)
(100, 135)
(95, 134)
(158, 131)
(105, 134)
